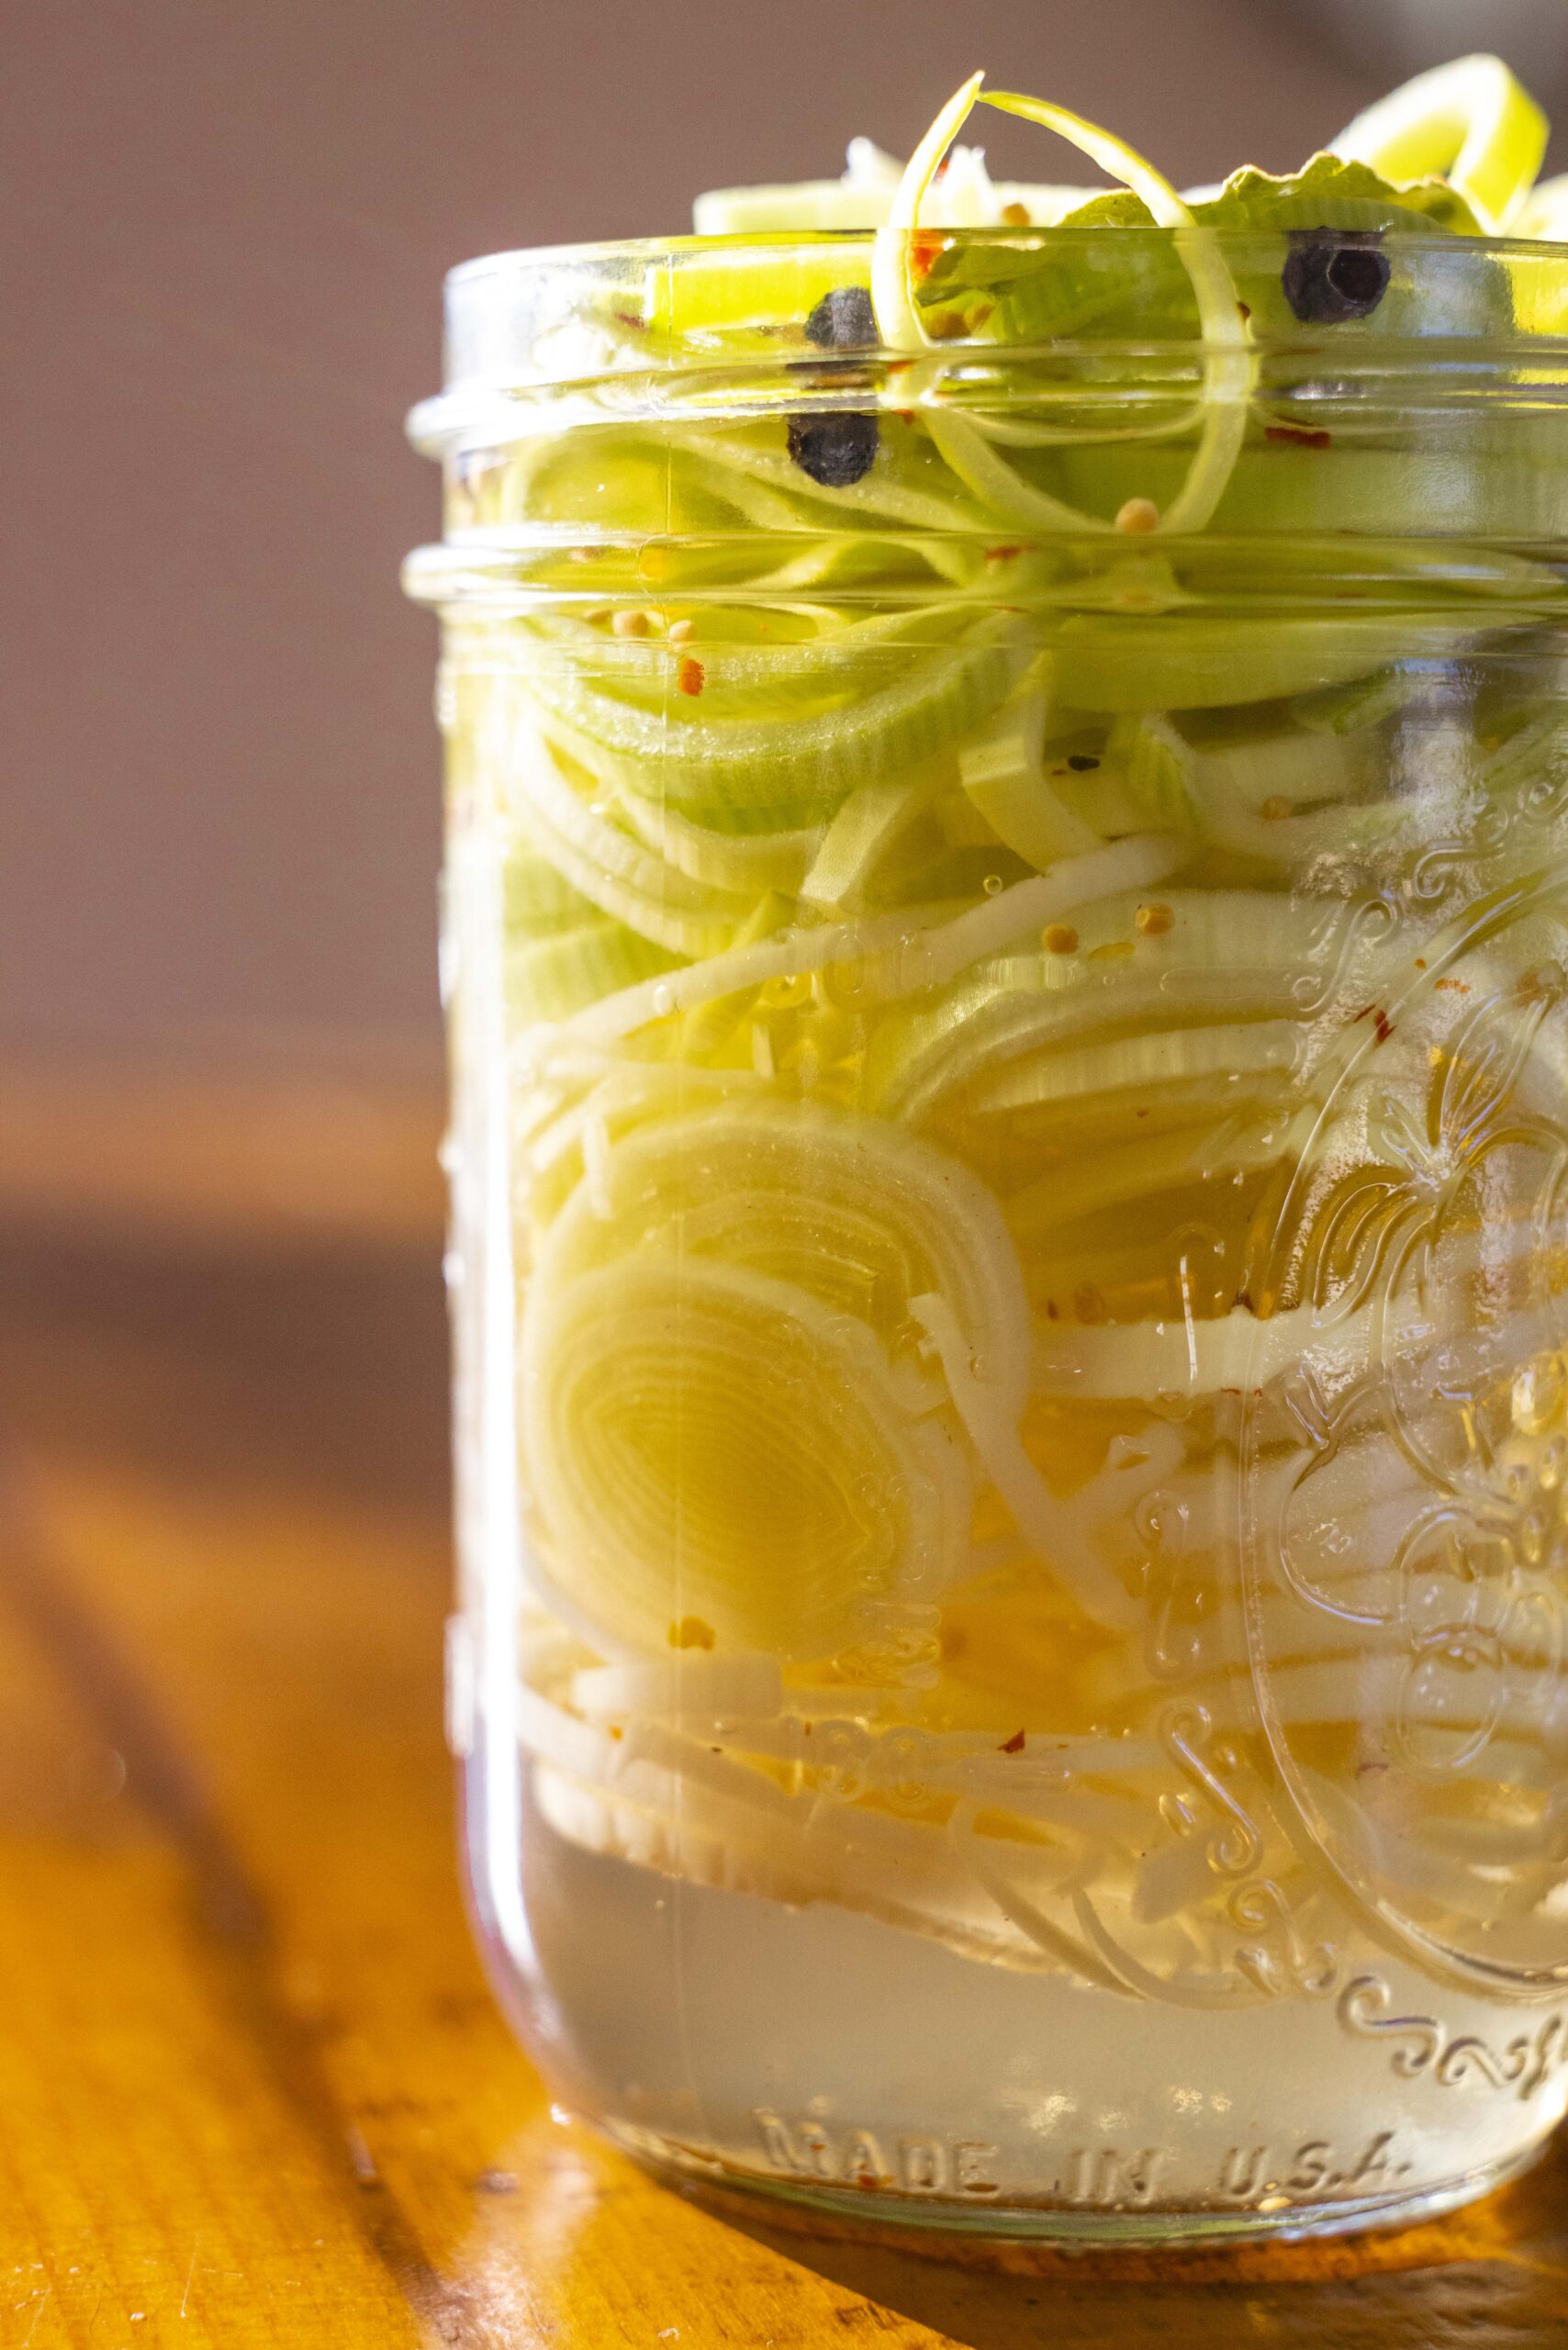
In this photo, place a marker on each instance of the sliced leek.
(867, 826)
(661, 1397)
(1223, 954)
(1031, 1132)
(714, 766)
(1228, 364)
(1469, 120)
(856, 1213)
(887, 955)
(1003, 771)
(741, 862)
(552, 977)
(1208, 1060)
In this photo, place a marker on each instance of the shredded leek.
(1469, 120)
(1036, 985)
(1002, 770)
(1228, 367)
(852, 1210)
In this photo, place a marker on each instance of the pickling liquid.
(819, 2053)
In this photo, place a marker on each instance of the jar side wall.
(1012, 1134)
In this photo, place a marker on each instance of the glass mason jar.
(1006, 937)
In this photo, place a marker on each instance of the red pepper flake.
(1305, 436)
(897, 366)
(905, 415)
(691, 1632)
(1459, 987)
(1053, 1311)
(1384, 1027)
(1001, 555)
(1365, 1012)
(1244, 309)
(1014, 1745)
(690, 674)
(1420, 962)
(923, 253)
(631, 318)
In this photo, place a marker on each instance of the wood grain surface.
(253, 2089)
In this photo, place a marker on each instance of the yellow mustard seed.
(1059, 939)
(1151, 921)
(1017, 215)
(682, 631)
(630, 623)
(1139, 516)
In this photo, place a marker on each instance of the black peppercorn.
(1334, 274)
(836, 450)
(843, 321)
(832, 447)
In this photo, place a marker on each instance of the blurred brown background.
(224, 225)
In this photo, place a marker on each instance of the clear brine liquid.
(814, 2050)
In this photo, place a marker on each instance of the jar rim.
(586, 251)
(541, 322)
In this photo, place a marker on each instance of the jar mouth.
(613, 251)
(1366, 384)
(692, 329)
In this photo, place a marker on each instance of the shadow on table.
(569, 2239)
(1496, 2276)
(323, 1364)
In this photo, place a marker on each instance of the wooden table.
(254, 2089)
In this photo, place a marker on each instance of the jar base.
(1061, 2226)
